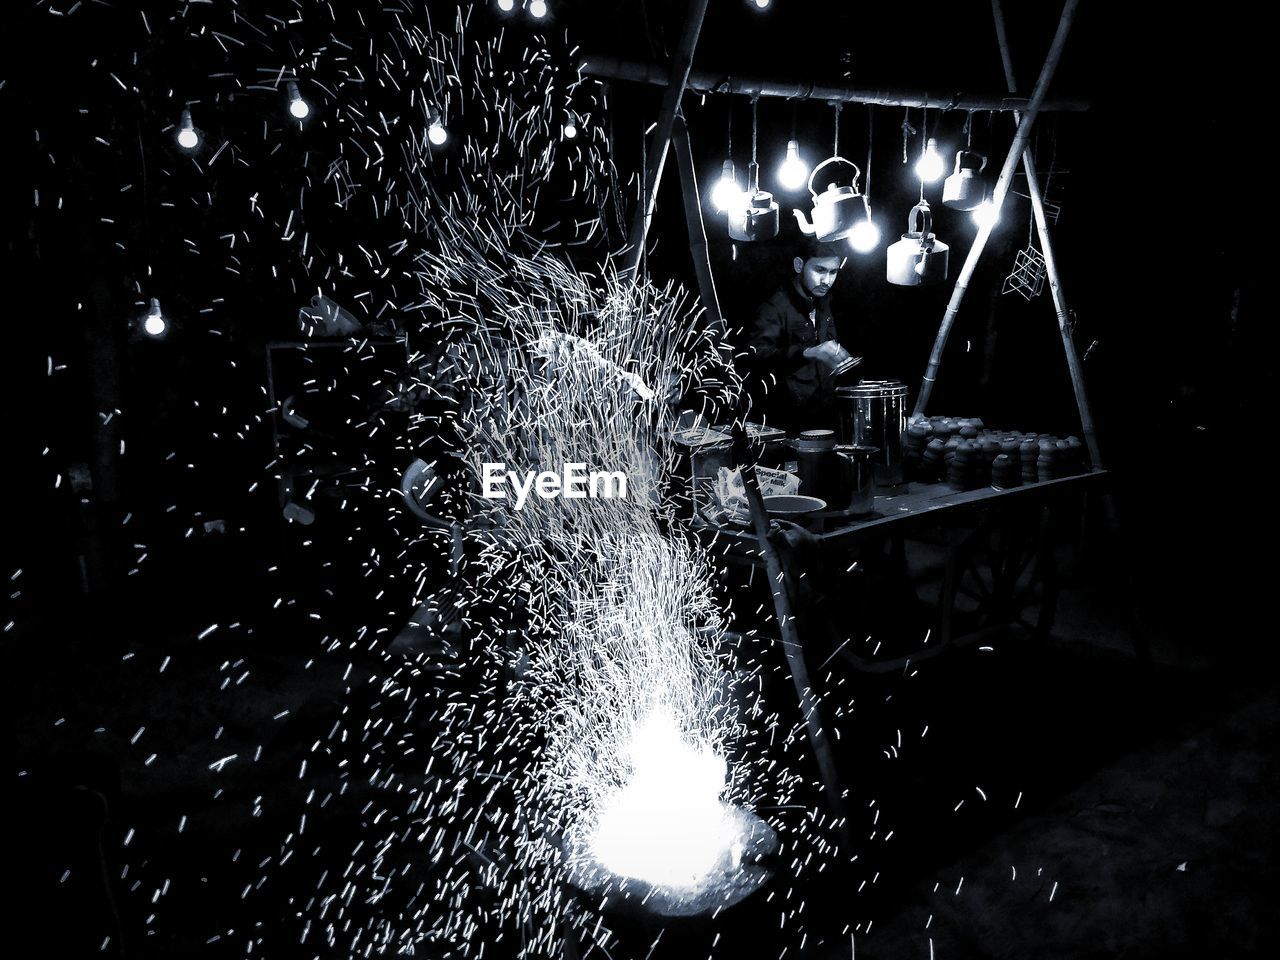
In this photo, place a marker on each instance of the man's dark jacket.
(794, 391)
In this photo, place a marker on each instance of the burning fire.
(667, 825)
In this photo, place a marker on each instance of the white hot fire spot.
(667, 826)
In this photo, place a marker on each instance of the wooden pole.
(1002, 188)
(697, 229)
(1050, 259)
(791, 641)
(676, 81)
(613, 68)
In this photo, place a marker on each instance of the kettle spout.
(807, 228)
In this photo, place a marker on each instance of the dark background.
(1158, 245)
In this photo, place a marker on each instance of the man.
(792, 348)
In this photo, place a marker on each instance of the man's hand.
(829, 353)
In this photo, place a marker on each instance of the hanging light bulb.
(538, 9)
(930, 166)
(726, 194)
(570, 128)
(866, 235)
(506, 6)
(297, 106)
(436, 133)
(188, 139)
(154, 322)
(793, 172)
(762, 4)
(986, 214)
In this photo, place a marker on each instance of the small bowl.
(793, 506)
(806, 512)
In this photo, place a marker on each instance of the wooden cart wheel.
(1005, 575)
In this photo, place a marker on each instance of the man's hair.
(810, 248)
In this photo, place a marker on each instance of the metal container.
(705, 464)
(768, 446)
(702, 453)
(816, 462)
(873, 413)
(919, 257)
(857, 480)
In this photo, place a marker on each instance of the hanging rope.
(755, 102)
(924, 142)
(908, 131)
(835, 147)
(866, 183)
(729, 153)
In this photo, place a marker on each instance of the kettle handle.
(926, 216)
(857, 172)
(970, 153)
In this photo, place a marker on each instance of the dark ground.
(1068, 801)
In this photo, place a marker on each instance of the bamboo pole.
(613, 68)
(697, 229)
(676, 81)
(1002, 189)
(791, 641)
(1050, 259)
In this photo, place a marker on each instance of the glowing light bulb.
(793, 172)
(538, 9)
(986, 215)
(930, 166)
(762, 4)
(865, 236)
(727, 193)
(506, 6)
(436, 133)
(188, 139)
(154, 323)
(297, 106)
(570, 128)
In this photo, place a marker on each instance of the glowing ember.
(667, 826)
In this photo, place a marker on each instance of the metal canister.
(856, 479)
(818, 467)
(873, 413)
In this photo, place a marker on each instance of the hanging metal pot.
(757, 219)
(965, 188)
(919, 257)
(837, 210)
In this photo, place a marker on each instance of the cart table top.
(917, 500)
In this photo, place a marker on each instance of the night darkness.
(280, 681)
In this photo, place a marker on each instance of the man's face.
(817, 274)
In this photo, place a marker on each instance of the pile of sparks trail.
(586, 701)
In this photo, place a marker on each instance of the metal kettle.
(919, 257)
(757, 219)
(965, 188)
(837, 210)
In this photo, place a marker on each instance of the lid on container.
(757, 431)
(700, 437)
(874, 388)
(815, 441)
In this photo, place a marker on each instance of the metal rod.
(613, 68)
(697, 229)
(1016, 150)
(1050, 259)
(677, 78)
